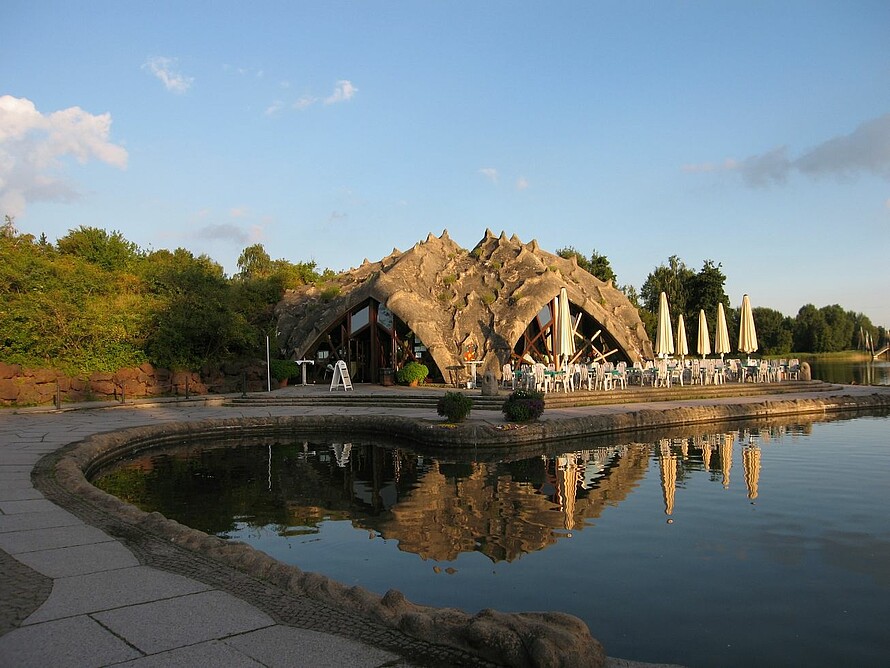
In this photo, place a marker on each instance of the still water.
(860, 373)
(756, 544)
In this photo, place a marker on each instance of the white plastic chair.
(507, 376)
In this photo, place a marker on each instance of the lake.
(746, 544)
(846, 372)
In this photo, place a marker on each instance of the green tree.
(598, 265)
(774, 331)
(254, 262)
(194, 321)
(96, 246)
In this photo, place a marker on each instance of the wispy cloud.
(275, 108)
(305, 102)
(335, 216)
(490, 173)
(343, 92)
(229, 232)
(165, 69)
(522, 183)
(33, 147)
(865, 150)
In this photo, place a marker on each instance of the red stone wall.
(25, 387)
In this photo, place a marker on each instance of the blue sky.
(754, 134)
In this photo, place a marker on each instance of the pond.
(850, 372)
(752, 544)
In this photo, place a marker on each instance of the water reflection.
(433, 508)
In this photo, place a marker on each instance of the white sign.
(341, 377)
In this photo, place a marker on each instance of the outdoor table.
(302, 364)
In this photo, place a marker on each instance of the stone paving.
(81, 589)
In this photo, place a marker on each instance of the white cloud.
(274, 108)
(239, 212)
(343, 92)
(490, 173)
(305, 102)
(165, 70)
(522, 183)
(33, 146)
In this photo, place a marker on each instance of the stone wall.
(21, 386)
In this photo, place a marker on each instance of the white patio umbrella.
(704, 339)
(664, 335)
(747, 333)
(565, 330)
(721, 337)
(682, 345)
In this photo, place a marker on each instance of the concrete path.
(72, 595)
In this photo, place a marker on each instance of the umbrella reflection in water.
(751, 462)
(668, 464)
(726, 457)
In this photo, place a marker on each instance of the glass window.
(360, 319)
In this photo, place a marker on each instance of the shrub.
(412, 372)
(524, 406)
(455, 406)
(284, 369)
(330, 292)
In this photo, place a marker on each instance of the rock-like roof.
(450, 297)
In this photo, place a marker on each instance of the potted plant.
(284, 370)
(524, 406)
(455, 406)
(412, 374)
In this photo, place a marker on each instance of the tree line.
(812, 330)
(94, 301)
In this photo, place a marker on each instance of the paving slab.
(79, 559)
(211, 654)
(79, 594)
(182, 621)
(19, 492)
(16, 542)
(56, 517)
(26, 506)
(76, 642)
(284, 647)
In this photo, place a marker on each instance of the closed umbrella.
(682, 345)
(704, 340)
(721, 337)
(747, 333)
(664, 336)
(565, 330)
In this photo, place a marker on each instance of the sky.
(753, 134)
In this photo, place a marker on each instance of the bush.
(524, 406)
(284, 369)
(412, 372)
(455, 406)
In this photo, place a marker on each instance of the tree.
(774, 331)
(674, 279)
(109, 251)
(194, 321)
(254, 262)
(598, 265)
